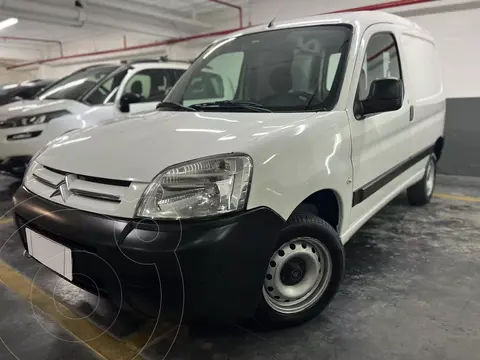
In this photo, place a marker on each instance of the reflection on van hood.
(139, 148)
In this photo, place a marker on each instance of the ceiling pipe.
(46, 41)
(433, 8)
(128, 48)
(147, 10)
(382, 6)
(207, 35)
(239, 8)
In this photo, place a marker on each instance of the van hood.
(138, 148)
(32, 107)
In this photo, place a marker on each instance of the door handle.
(412, 112)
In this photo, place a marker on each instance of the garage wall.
(15, 77)
(462, 148)
(4, 76)
(105, 42)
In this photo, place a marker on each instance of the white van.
(84, 98)
(238, 202)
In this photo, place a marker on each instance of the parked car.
(85, 98)
(237, 201)
(22, 91)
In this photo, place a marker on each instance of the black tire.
(418, 194)
(307, 225)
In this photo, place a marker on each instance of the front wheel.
(303, 273)
(420, 193)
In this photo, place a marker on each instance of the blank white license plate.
(51, 254)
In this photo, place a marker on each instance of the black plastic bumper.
(213, 269)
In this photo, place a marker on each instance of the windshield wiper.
(229, 104)
(174, 105)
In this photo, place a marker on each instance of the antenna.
(279, 12)
(271, 23)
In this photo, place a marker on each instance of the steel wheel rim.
(430, 178)
(287, 298)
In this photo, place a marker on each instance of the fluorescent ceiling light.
(7, 23)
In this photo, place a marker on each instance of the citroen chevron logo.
(63, 187)
(57, 189)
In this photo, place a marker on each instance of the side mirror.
(127, 99)
(385, 95)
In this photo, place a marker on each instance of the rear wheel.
(303, 273)
(420, 193)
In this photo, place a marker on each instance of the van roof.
(360, 19)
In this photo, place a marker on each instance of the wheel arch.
(326, 203)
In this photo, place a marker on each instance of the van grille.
(93, 178)
(65, 184)
(83, 192)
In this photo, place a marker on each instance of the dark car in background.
(22, 91)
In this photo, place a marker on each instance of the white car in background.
(85, 98)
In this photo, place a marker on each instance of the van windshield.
(75, 85)
(287, 70)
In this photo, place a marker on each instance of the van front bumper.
(211, 269)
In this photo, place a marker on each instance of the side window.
(381, 61)
(36, 89)
(177, 73)
(26, 93)
(151, 84)
(105, 91)
(332, 66)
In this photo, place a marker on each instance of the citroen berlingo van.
(235, 197)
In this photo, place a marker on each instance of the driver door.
(380, 141)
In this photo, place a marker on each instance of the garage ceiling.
(72, 20)
(67, 19)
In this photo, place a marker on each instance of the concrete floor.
(412, 291)
(29, 334)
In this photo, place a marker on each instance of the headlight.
(199, 188)
(32, 119)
